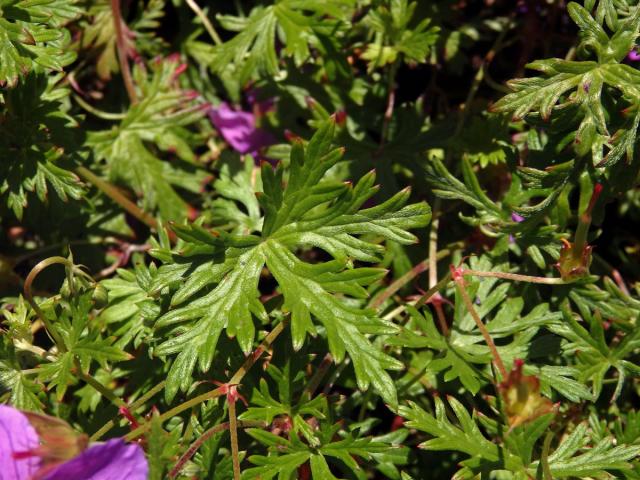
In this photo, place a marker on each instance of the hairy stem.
(584, 222)
(104, 391)
(516, 277)
(98, 113)
(114, 194)
(544, 458)
(205, 21)
(233, 431)
(433, 290)
(206, 436)
(122, 51)
(419, 268)
(35, 271)
(318, 375)
(433, 268)
(483, 329)
(391, 101)
(216, 392)
(111, 423)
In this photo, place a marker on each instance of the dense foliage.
(326, 238)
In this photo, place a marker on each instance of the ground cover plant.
(319, 239)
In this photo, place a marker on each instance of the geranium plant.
(304, 239)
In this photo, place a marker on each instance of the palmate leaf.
(253, 49)
(463, 355)
(489, 214)
(31, 36)
(287, 455)
(157, 122)
(99, 35)
(131, 307)
(39, 144)
(577, 457)
(394, 37)
(462, 436)
(595, 357)
(584, 85)
(218, 273)
(573, 458)
(290, 404)
(82, 339)
(23, 391)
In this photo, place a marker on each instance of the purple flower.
(634, 56)
(239, 130)
(516, 218)
(21, 451)
(17, 435)
(112, 460)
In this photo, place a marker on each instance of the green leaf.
(24, 392)
(296, 23)
(394, 37)
(446, 185)
(237, 182)
(465, 438)
(157, 122)
(451, 360)
(58, 374)
(286, 455)
(32, 37)
(40, 144)
(583, 86)
(573, 458)
(223, 270)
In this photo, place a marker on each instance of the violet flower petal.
(113, 460)
(633, 56)
(238, 128)
(516, 218)
(16, 435)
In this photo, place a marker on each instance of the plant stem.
(114, 194)
(584, 222)
(206, 436)
(216, 392)
(41, 352)
(483, 329)
(98, 113)
(233, 431)
(477, 80)
(59, 342)
(433, 268)
(419, 268)
(104, 391)
(516, 277)
(544, 458)
(111, 423)
(205, 21)
(433, 290)
(122, 51)
(318, 375)
(391, 100)
(433, 244)
(35, 271)
(418, 376)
